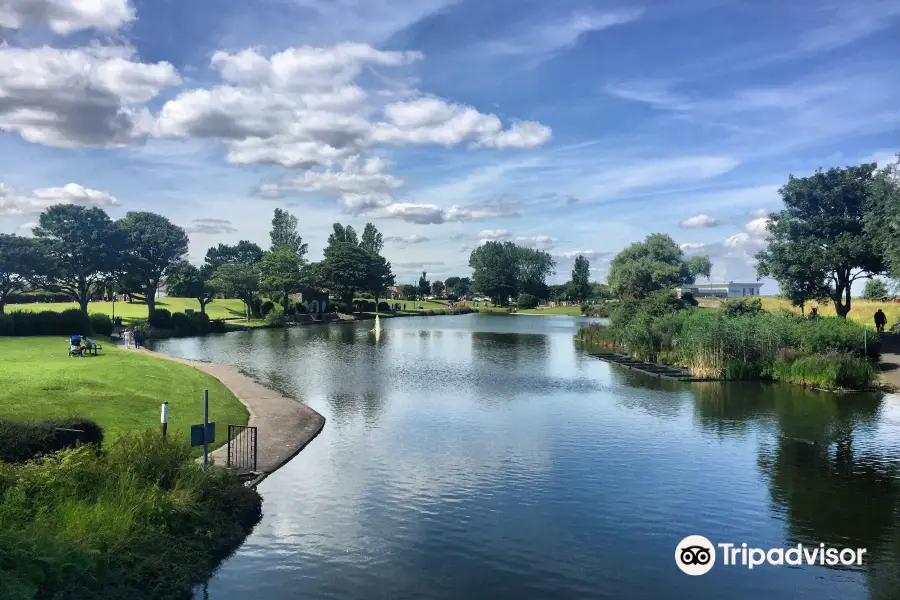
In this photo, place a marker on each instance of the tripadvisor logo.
(696, 555)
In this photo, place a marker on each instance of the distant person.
(138, 337)
(880, 320)
(126, 336)
(814, 312)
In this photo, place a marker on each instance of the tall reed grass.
(136, 520)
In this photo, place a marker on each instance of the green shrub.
(256, 307)
(688, 298)
(101, 324)
(201, 322)
(161, 318)
(276, 318)
(300, 308)
(146, 330)
(68, 322)
(218, 326)
(833, 370)
(137, 520)
(429, 313)
(526, 301)
(266, 307)
(384, 307)
(736, 307)
(184, 325)
(23, 440)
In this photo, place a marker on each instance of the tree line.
(81, 252)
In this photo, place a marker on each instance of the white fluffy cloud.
(66, 16)
(435, 121)
(493, 235)
(78, 97)
(406, 240)
(758, 213)
(538, 242)
(699, 222)
(39, 200)
(576, 253)
(211, 226)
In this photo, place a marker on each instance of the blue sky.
(571, 126)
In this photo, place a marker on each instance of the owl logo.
(695, 555)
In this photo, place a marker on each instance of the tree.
(821, 233)
(153, 244)
(602, 291)
(699, 265)
(19, 264)
(284, 235)
(657, 263)
(883, 217)
(379, 276)
(560, 293)
(244, 253)
(236, 280)
(437, 288)
(345, 270)
(343, 234)
(408, 291)
(581, 283)
(875, 289)
(281, 271)
(187, 281)
(424, 285)
(80, 247)
(495, 270)
(532, 269)
(372, 240)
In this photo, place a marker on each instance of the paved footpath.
(890, 359)
(284, 426)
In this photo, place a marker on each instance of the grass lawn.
(573, 311)
(121, 390)
(860, 310)
(136, 312)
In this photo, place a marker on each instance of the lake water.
(487, 456)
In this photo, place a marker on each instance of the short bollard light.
(164, 419)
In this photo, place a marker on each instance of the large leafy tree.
(800, 282)
(284, 234)
(345, 270)
(657, 263)
(379, 276)
(237, 280)
(883, 216)
(80, 247)
(187, 281)
(438, 288)
(281, 271)
(343, 234)
(821, 232)
(19, 264)
(242, 253)
(424, 287)
(372, 240)
(153, 245)
(581, 282)
(503, 269)
(875, 289)
(533, 268)
(408, 291)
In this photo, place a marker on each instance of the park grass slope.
(120, 389)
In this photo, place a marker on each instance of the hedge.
(266, 307)
(161, 318)
(69, 322)
(101, 324)
(23, 440)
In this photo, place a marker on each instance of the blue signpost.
(202, 435)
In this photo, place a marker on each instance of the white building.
(732, 289)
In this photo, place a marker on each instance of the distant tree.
(20, 261)
(875, 289)
(821, 234)
(372, 240)
(560, 293)
(581, 283)
(153, 244)
(532, 269)
(284, 234)
(526, 301)
(408, 291)
(883, 215)
(343, 234)
(243, 253)
(80, 246)
(379, 276)
(494, 271)
(657, 263)
(601, 290)
(424, 285)
(699, 266)
(281, 271)
(184, 280)
(437, 288)
(236, 280)
(345, 270)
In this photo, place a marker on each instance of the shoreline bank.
(284, 426)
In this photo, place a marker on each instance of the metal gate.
(241, 448)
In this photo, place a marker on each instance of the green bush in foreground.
(831, 371)
(138, 520)
(23, 440)
(68, 322)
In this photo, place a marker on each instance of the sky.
(572, 126)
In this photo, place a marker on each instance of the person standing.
(126, 336)
(880, 320)
(138, 337)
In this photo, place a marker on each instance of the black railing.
(241, 448)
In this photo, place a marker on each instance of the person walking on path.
(138, 337)
(126, 335)
(880, 320)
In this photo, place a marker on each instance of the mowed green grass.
(132, 312)
(121, 390)
(572, 311)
